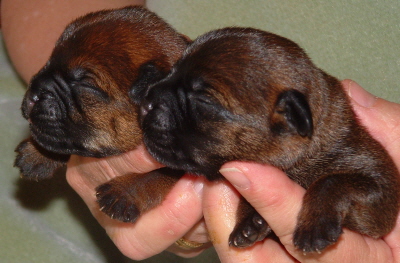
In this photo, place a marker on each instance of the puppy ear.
(294, 107)
(149, 73)
(186, 39)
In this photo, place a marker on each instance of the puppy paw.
(126, 197)
(36, 163)
(117, 202)
(317, 234)
(250, 230)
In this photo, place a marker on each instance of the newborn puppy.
(79, 104)
(244, 94)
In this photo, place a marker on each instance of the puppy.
(79, 103)
(245, 94)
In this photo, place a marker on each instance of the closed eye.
(81, 80)
(85, 87)
(204, 99)
(200, 97)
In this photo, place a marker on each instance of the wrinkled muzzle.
(50, 107)
(46, 101)
(164, 109)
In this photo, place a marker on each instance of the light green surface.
(47, 222)
(355, 39)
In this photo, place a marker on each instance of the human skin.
(31, 28)
(179, 215)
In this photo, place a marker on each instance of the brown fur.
(79, 101)
(244, 94)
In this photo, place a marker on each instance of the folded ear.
(149, 74)
(294, 108)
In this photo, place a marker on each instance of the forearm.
(31, 28)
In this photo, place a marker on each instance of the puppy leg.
(355, 201)
(250, 227)
(35, 163)
(126, 197)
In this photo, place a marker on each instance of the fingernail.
(198, 186)
(361, 96)
(236, 177)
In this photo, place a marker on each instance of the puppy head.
(78, 103)
(236, 94)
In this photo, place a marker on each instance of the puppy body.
(78, 103)
(251, 95)
(245, 94)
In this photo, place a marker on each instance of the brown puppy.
(245, 94)
(79, 103)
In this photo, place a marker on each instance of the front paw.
(117, 202)
(317, 233)
(126, 197)
(249, 231)
(36, 163)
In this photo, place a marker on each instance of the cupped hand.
(179, 215)
(278, 200)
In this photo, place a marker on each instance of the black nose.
(28, 104)
(43, 105)
(145, 108)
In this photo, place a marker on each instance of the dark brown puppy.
(245, 94)
(79, 102)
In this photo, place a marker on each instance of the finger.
(269, 195)
(95, 171)
(136, 161)
(84, 174)
(157, 229)
(278, 200)
(393, 240)
(381, 117)
(219, 208)
(220, 203)
(198, 234)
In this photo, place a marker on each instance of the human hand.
(179, 215)
(278, 200)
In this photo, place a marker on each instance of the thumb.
(267, 188)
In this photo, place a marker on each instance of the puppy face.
(236, 94)
(78, 103)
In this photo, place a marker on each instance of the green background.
(47, 222)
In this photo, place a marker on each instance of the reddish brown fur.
(85, 83)
(82, 95)
(114, 52)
